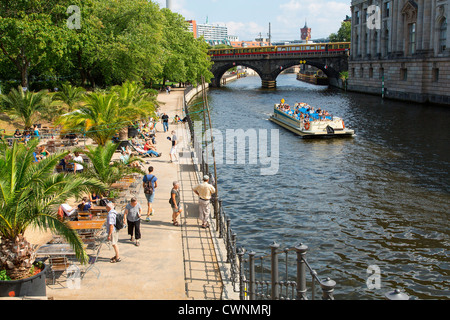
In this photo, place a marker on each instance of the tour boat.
(305, 121)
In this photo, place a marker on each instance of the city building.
(305, 33)
(400, 49)
(208, 31)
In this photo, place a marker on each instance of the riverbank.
(172, 262)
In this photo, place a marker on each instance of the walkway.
(172, 263)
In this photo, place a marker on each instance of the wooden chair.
(84, 215)
(58, 264)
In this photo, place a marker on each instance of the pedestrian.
(175, 202)
(204, 192)
(133, 212)
(165, 122)
(78, 160)
(150, 184)
(113, 233)
(173, 150)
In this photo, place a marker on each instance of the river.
(381, 198)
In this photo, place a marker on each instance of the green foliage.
(343, 34)
(102, 114)
(118, 40)
(103, 168)
(25, 105)
(30, 193)
(4, 276)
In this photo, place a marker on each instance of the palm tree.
(25, 105)
(104, 114)
(130, 94)
(69, 95)
(30, 193)
(103, 168)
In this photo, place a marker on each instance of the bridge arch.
(268, 68)
(220, 69)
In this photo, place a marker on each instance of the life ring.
(343, 124)
(307, 126)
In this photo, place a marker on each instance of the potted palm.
(30, 193)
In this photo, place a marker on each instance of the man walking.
(149, 184)
(165, 121)
(175, 202)
(204, 192)
(113, 233)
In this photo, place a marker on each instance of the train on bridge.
(292, 49)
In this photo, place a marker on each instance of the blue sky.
(248, 18)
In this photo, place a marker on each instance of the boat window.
(322, 48)
(341, 46)
(307, 48)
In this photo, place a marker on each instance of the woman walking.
(133, 212)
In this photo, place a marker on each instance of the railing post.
(301, 250)
(327, 286)
(252, 275)
(220, 220)
(274, 272)
(240, 254)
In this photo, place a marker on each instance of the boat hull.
(321, 130)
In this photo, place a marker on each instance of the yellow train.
(294, 48)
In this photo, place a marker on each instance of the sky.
(248, 18)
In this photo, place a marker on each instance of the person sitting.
(78, 160)
(93, 197)
(85, 205)
(17, 134)
(44, 152)
(69, 212)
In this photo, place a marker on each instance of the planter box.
(32, 287)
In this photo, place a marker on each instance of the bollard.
(301, 250)
(396, 295)
(252, 275)
(275, 275)
(327, 286)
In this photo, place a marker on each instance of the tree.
(103, 114)
(25, 105)
(344, 33)
(32, 34)
(69, 96)
(103, 168)
(30, 194)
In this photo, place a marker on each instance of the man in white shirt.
(205, 192)
(78, 167)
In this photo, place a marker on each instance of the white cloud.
(322, 16)
(245, 30)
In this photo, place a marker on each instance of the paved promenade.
(172, 263)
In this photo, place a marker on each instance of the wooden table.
(86, 224)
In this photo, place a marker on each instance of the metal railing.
(261, 279)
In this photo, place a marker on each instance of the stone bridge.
(269, 66)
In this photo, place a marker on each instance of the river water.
(381, 198)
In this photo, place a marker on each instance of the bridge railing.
(281, 55)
